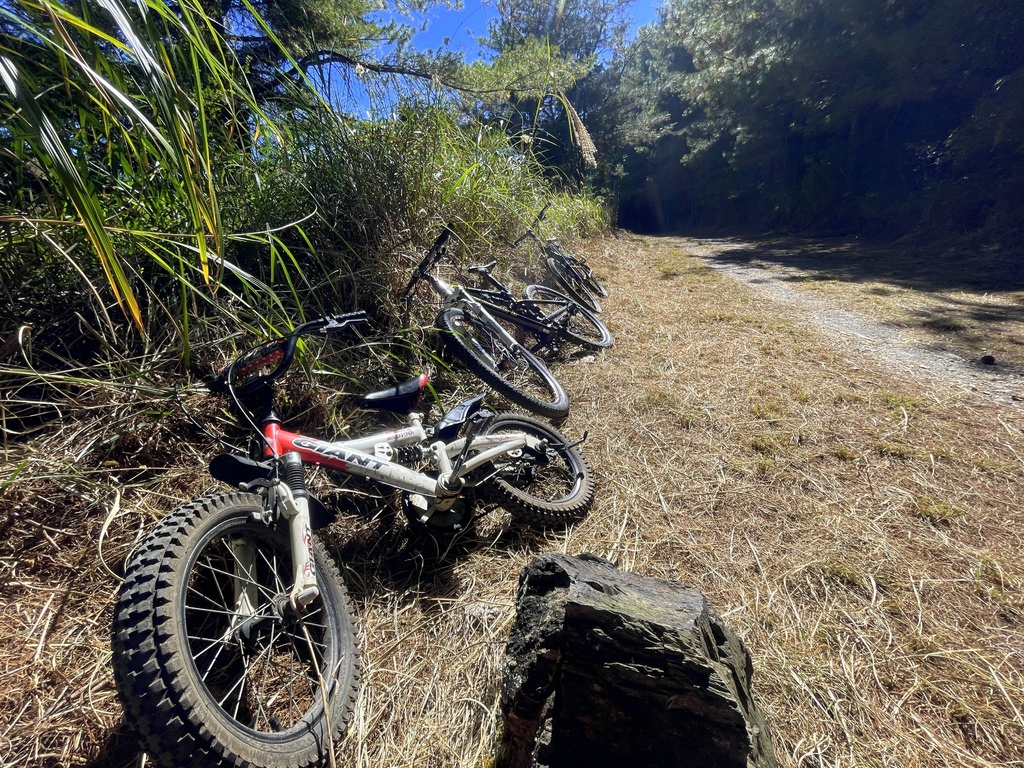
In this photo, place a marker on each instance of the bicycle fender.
(238, 470)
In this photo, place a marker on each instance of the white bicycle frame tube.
(456, 296)
(353, 457)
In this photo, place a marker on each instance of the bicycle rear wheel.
(580, 325)
(552, 486)
(572, 282)
(511, 370)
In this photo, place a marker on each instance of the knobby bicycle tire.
(582, 327)
(570, 281)
(555, 488)
(513, 371)
(595, 285)
(208, 669)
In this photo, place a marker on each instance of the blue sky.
(455, 29)
(460, 29)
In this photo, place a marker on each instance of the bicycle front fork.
(293, 499)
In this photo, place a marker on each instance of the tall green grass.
(118, 119)
(150, 202)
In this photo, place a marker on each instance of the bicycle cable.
(245, 411)
(195, 422)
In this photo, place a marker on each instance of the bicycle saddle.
(402, 398)
(483, 268)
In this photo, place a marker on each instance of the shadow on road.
(936, 268)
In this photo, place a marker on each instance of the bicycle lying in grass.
(572, 273)
(543, 316)
(233, 637)
(471, 332)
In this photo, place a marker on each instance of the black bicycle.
(572, 273)
(485, 346)
(543, 318)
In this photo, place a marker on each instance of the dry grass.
(859, 530)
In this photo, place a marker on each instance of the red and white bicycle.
(233, 639)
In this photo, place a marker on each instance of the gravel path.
(901, 351)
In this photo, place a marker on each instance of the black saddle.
(483, 269)
(399, 399)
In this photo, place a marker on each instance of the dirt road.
(903, 350)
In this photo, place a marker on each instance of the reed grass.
(147, 176)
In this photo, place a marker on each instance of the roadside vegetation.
(860, 531)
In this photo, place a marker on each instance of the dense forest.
(168, 163)
(856, 116)
(873, 116)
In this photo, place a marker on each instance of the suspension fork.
(293, 501)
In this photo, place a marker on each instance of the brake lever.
(340, 322)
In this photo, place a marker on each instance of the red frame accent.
(281, 441)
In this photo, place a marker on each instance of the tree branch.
(323, 58)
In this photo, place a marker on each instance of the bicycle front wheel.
(572, 282)
(209, 668)
(554, 485)
(578, 324)
(509, 369)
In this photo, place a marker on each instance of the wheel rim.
(557, 480)
(510, 364)
(263, 670)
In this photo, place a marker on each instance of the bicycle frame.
(371, 457)
(368, 456)
(459, 296)
(499, 297)
(499, 302)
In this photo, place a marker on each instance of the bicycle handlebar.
(529, 230)
(281, 351)
(434, 254)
